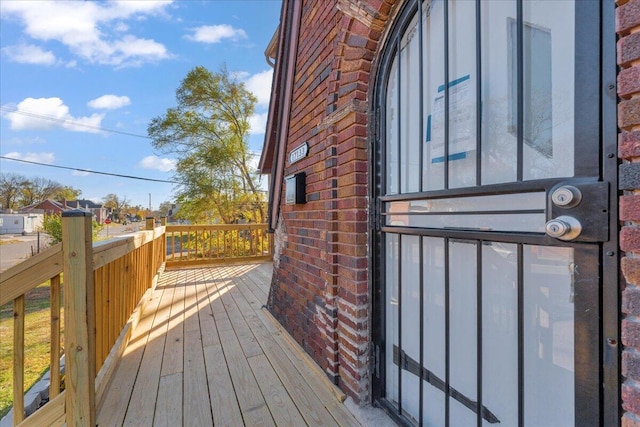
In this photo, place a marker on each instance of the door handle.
(563, 228)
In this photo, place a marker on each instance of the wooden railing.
(189, 245)
(105, 288)
(14, 284)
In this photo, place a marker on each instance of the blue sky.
(70, 71)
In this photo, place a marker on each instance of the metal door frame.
(605, 129)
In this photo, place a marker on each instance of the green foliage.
(118, 206)
(208, 132)
(52, 225)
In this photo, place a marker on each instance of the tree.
(67, 192)
(117, 205)
(10, 186)
(37, 190)
(209, 131)
(164, 208)
(52, 225)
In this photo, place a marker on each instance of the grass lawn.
(37, 343)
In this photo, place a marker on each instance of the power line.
(90, 171)
(75, 123)
(70, 122)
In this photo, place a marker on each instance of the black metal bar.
(421, 188)
(444, 213)
(399, 105)
(447, 325)
(421, 109)
(520, 257)
(490, 190)
(610, 255)
(446, 95)
(478, 95)
(400, 320)
(421, 297)
(588, 88)
(403, 361)
(520, 86)
(480, 408)
(494, 236)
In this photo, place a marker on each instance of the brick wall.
(628, 52)
(320, 285)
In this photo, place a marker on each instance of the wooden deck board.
(142, 402)
(172, 361)
(118, 394)
(206, 353)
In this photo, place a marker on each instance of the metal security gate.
(495, 299)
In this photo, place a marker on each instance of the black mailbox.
(295, 189)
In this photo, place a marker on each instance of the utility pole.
(149, 203)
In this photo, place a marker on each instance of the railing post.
(163, 222)
(79, 319)
(150, 223)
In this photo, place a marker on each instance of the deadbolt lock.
(566, 196)
(563, 228)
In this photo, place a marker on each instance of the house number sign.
(298, 153)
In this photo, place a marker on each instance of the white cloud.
(239, 75)
(258, 123)
(216, 33)
(157, 163)
(47, 158)
(260, 85)
(23, 141)
(50, 113)
(29, 54)
(95, 32)
(80, 173)
(109, 102)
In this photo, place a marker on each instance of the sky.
(81, 80)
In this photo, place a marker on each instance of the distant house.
(99, 211)
(48, 207)
(57, 207)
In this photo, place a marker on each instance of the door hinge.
(375, 360)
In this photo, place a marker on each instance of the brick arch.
(320, 287)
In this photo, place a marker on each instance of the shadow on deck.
(205, 352)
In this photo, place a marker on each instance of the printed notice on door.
(461, 118)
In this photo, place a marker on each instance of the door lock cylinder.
(563, 228)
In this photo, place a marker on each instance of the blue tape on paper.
(454, 82)
(456, 156)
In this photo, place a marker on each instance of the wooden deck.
(205, 352)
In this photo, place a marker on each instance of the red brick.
(631, 300)
(630, 420)
(629, 144)
(629, 81)
(630, 208)
(630, 238)
(630, 333)
(628, 16)
(631, 269)
(631, 396)
(631, 364)
(629, 113)
(628, 49)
